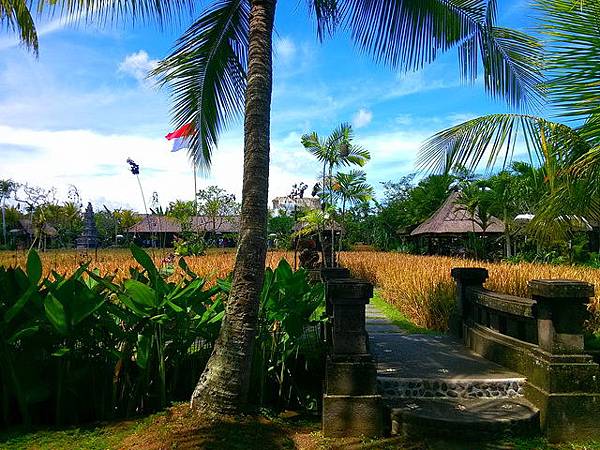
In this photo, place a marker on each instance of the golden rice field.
(217, 263)
(419, 286)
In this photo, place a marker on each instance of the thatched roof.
(163, 224)
(26, 226)
(452, 219)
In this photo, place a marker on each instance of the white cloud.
(362, 118)
(285, 49)
(95, 163)
(138, 65)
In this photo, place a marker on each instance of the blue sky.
(75, 115)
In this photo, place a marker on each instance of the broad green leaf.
(144, 260)
(186, 268)
(23, 334)
(107, 284)
(61, 352)
(175, 307)
(144, 345)
(55, 313)
(19, 304)
(34, 267)
(127, 301)
(141, 293)
(85, 306)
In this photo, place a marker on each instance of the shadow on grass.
(178, 427)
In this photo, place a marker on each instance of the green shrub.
(84, 347)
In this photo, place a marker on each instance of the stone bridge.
(511, 365)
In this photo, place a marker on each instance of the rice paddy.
(419, 286)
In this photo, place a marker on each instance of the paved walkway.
(419, 356)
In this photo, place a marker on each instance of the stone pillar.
(465, 278)
(564, 381)
(327, 274)
(351, 405)
(561, 313)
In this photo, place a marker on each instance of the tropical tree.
(334, 151)
(352, 189)
(569, 155)
(217, 206)
(222, 66)
(7, 188)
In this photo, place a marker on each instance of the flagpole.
(195, 191)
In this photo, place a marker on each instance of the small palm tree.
(334, 151)
(352, 189)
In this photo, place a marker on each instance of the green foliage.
(85, 347)
(282, 227)
(290, 309)
(192, 244)
(131, 341)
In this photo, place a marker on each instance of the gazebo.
(446, 230)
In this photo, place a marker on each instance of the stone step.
(397, 388)
(471, 418)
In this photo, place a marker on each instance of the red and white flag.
(181, 137)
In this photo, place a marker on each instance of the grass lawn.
(397, 318)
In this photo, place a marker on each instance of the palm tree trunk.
(223, 386)
(343, 217)
(332, 255)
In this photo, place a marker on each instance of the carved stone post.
(466, 278)
(327, 274)
(351, 406)
(564, 382)
(561, 313)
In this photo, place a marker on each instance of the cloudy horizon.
(73, 116)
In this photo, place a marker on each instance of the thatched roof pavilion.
(163, 224)
(451, 219)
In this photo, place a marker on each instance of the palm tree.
(569, 155)
(16, 15)
(334, 151)
(352, 189)
(476, 199)
(337, 150)
(222, 67)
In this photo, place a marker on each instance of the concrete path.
(434, 385)
(419, 356)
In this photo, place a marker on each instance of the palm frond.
(326, 14)
(313, 144)
(352, 187)
(409, 34)
(207, 74)
(146, 11)
(512, 61)
(16, 16)
(495, 136)
(572, 30)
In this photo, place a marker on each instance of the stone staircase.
(433, 385)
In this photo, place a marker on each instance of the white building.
(288, 204)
